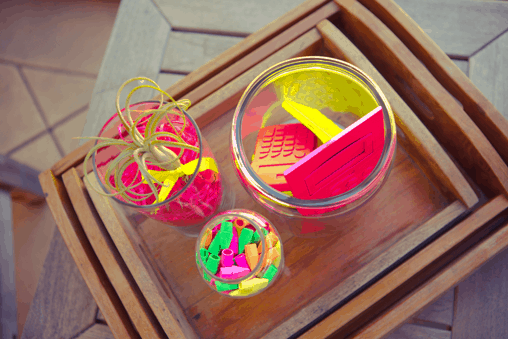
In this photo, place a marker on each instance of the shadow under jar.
(198, 191)
(342, 93)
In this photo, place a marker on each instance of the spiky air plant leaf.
(148, 148)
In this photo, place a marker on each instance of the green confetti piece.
(255, 237)
(244, 239)
(207, 277)
(226, 234)
(224, 286)
(204, 254)
(270, 273)
(212, 264)
(214, 247)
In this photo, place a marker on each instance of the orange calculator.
(278, 147)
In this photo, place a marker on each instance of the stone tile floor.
(50, 54)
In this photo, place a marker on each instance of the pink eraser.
(226, 258)
(234, 272)
(212, 282)
(340, 164)
(234, 242)
(241, 261)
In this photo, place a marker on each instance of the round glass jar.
(338, 90)
(239, 253)
(195, 197)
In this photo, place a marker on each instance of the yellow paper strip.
(317, 122)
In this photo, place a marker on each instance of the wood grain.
(228, 96)
(488, 73)
(441, 311)
(448, 23)
(62, 306)
(438, 110)
(481, 301)
(83, 254)
(135, 48)
(235, 53)
(162, 301)
(16, 175)
(135, 304)
(343, 321)
(369, 272)
(97, 331)
(8, 309)
(186, 51)
(255, 57)
(75, 158)
(409, 331)
(424, 147)
(463, 65)
(482, 111)
(450, 276)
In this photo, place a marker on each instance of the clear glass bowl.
(194, 198)
(249, 261)
(341, 92)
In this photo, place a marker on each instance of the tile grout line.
(48, 69)
(173, 72)
(488, 43)
(210, 32)
(430, 324)
(39, 109)
(154, 3)
(40, 134)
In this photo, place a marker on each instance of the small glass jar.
(341, 92)
(195, 197)
(239, 253)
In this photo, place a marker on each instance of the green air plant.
(143, 148)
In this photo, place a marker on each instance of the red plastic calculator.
(279, 147)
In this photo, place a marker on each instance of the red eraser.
(340, 164)
(279, 147)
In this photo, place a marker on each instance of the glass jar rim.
(187, 184)
(244, 214)
(247, 173)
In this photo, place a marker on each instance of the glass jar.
(196, 195)
(239, 253)
(342, 93)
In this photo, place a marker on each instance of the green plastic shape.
(214, 247)
(204, 254)
(255, 237)
(270, 273)
(226, 234)
(225, 287)
(245, 238)
(213, 263)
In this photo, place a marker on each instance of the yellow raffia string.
(142, 146)
(169, 178)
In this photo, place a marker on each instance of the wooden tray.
(446, 191)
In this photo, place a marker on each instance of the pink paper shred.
(200, 199)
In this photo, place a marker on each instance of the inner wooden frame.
(440, 168)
